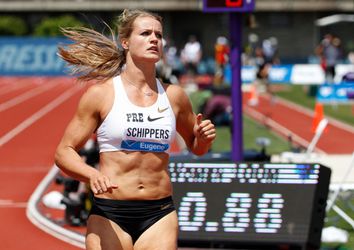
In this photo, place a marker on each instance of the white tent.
(328, 20)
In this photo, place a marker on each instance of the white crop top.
(133, 128)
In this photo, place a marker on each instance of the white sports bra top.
(134, 128)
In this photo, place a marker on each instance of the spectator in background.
(191, 55)
(270, 50)
(218, 109)
(222, 51)
(351, 57)
(261, 84)
(166, 67)
(349, 76)
(329, 52)
(258, 57)
(172, 58)
(262, 77)
(253, 52)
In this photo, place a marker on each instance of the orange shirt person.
(222, 51)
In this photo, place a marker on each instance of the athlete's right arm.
(79, 130)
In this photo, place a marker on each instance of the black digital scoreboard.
(250, 205)
(228, 5)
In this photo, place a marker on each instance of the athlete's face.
(145, 41)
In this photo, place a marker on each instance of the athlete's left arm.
(197, 133)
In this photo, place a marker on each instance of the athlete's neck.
(140, 73)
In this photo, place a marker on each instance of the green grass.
(251, 131)
(345, 201)
(303, 95)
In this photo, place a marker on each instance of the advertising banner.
(30, 56)
(336, 93)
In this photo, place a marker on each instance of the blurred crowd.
(189, 67)
(190, 60)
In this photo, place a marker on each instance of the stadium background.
(292, 22)
(181, 18)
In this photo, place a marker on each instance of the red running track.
(31, 126)
(289, 119)
(33, 115)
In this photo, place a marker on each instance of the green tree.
(12, 26)
(50, 26)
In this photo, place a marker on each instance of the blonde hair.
(94, 56)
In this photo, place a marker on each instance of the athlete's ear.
(125, 43)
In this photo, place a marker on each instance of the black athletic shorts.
(133, 216)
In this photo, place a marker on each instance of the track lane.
(37, 143)
(14, 99)
(14, 115)
(336, 140)
(18, 233)
(24, 161)
(11, 89)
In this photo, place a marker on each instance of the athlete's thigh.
(160, 236)
(103, 234)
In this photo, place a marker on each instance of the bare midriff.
(139, 175)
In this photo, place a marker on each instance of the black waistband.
(135, 203)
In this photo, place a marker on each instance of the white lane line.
(5, 82)
(23, 169)
(25, 96)
(12, 204)
(11, 87)
(279, 128)
(44, 223)
(39, 114)
(311, 113)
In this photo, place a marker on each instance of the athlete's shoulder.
(173, 88)
(177, 95)
(96, 94)
(99, 90)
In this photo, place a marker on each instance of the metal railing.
(102, 5)
(305, 5)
